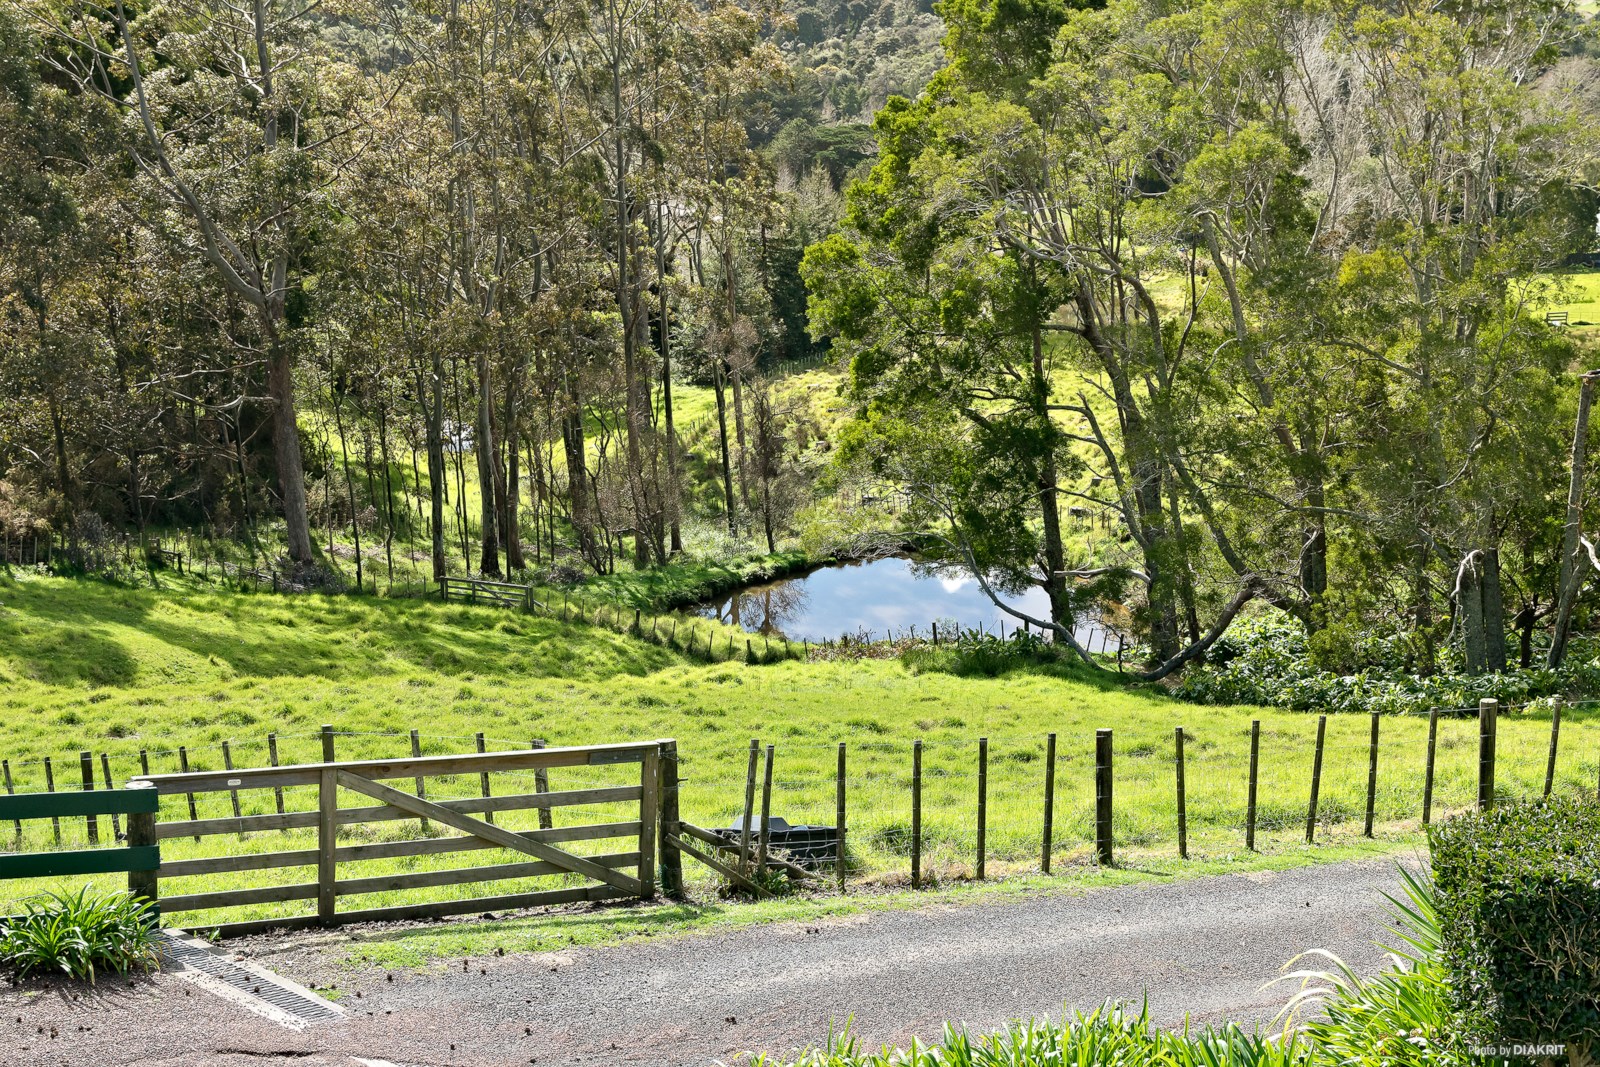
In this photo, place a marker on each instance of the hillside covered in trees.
(1177, 312)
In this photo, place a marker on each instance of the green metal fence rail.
(141, 856)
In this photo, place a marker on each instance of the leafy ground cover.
(88, 666)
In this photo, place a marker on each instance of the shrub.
(79, 934)
(1268, 660)
(1519, 904)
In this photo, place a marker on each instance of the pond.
(880, 597)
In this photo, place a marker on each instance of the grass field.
(89, 666)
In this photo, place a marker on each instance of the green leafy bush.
(1109, 1035)
(79, 934)
(1519, 904)
(1268, 660)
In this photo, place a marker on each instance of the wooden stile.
(1316, 780)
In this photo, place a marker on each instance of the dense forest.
(1178, 310)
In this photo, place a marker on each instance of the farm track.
(1201, 948)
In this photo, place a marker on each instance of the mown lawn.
(88, 666)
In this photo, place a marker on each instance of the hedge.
(1519, 908)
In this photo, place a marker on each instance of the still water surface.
(880, 596)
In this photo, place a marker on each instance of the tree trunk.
(1494, 614)
(286, 451)
(722, 436)
(483, 443)
(1573, 564)
(513, 492)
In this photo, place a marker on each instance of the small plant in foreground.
(79, 933)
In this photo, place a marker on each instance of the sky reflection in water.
(878, 596)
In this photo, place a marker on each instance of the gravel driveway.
(1201, 947)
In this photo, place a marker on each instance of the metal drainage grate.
(247, 984)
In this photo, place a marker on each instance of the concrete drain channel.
(244, 983)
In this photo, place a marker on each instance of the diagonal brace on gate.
(489, 832)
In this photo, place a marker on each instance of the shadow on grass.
(63, 632)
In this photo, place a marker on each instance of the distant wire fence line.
(1003, 797)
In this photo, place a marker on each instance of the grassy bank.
(88, 666)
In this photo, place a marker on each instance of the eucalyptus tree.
(238, 118)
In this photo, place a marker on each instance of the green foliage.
(1269, 660)
(988, 655)
(1519, 904)
(78, 933)
(1110, 1035)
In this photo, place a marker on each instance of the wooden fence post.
(1555, 738)
(916, 814)
(766, 816)
(483, 779)
(91, 823)
(649, 821)
(541, 784)
(668, 825)
(1250, 795)
(1488, 716)
(1372, 777)
(50, 779)
(1103, 845)
(11, 791)
(105, 769)
(327, 824)
(749, 805)
(142, 833)
(1316, 781)
(227, 765)
(983, 805)
(839, 817)
(1427, 778)
(1049, 801)
(422, 792)
(328, 755)
(272, 760)
(1183, 810)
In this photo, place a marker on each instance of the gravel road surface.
(1201, 947)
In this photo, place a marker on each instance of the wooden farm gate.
(626, 874)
